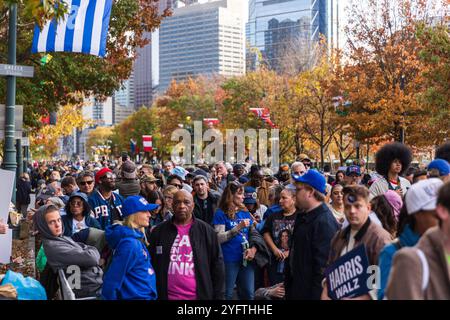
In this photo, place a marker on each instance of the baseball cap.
(312, 178)
(422, 195)
(134, 204)
(101, 173)
(149, 178)
(353, 169)
(441, 165)
(250, 195)
(179, 171)
(201, 172)
(129, 170)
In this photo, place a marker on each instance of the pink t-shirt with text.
(181, 283)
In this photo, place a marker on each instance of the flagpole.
(9, 151)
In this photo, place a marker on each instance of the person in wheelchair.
(73, 257)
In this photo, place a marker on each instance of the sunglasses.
(83, 183)
(109, 176)
(179, 186)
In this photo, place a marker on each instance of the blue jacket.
(103, 209)
(130, 275)
(407, 238)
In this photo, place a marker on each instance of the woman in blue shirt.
(232, 223)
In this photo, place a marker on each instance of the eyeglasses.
(83, 183)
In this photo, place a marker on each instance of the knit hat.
(312, 178)
(101, 173)
(395, 201)
(128, 170)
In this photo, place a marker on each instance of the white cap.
(422, 195)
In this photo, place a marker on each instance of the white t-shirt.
(351, 242)
(78, 225)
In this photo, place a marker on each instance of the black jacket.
(310, 248)
(207, 255)
(23, 191)
(262, 256)
(208, 214)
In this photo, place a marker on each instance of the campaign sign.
(347, 276)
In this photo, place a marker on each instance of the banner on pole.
(147, 142)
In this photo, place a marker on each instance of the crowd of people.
(240, 231)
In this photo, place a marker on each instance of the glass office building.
(276, 26)
(202, 39)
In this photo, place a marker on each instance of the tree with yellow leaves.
(100, 139)
(44, 142)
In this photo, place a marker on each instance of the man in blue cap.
(314, 228)
(352, 175)
(439, 168)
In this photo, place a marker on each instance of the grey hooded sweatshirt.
(63, 252)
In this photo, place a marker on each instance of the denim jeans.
(243, 277)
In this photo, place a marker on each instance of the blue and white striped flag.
(83, 29)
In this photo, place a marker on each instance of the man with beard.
(257, 181)
(105, 203)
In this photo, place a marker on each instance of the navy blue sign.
(347, 276)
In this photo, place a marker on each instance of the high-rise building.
(277, 28)
(146, 65)
(202, 39)
(125, 96)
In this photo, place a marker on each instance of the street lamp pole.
(402, 125)
(9, 152)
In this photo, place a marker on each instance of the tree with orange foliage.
(384, 73)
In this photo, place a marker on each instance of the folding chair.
(65, 292)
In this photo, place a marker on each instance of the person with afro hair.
(391, 161)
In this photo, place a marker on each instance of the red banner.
(147, 142)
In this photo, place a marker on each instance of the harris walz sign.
(347, 276)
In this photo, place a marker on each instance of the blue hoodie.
(130, 275)
(408, 238)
